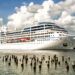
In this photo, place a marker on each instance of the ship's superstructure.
(42, 36)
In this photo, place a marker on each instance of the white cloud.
(31, 4)
(65, 18)
(3, 28)
(60, 13)
(1, 22)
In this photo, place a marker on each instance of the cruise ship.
(44, 35)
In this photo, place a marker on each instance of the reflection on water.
(38, 63)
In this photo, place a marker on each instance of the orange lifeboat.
(23, 39)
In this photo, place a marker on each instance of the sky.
(7, 6)
(17, 14)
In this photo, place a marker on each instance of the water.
(10, 68)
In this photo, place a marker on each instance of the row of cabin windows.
(28, 34)
(37, 29)
(24, 33)
(32, 35)
(52, 36)
(40, 40)
(43, 39)
(42, 27)
(46, 39)
(40, 36)
(59, 32)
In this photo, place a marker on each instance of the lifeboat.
(23, 39)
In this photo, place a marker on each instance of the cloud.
(1, 22)
(61, 13)
(26, 15)
(2, 26)
(65, 18)
(18, 19)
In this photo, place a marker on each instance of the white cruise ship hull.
(35, 45)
